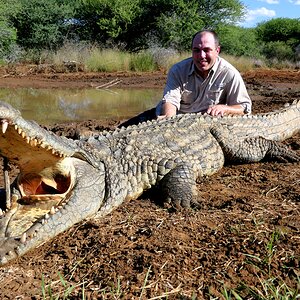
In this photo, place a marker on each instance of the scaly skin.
(63, 182)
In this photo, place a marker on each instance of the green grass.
(67, 289)
(267, 286)
(269, 289)
(142, 62)
(94, 58)
(107, 61)
(270, 286)
(243, 63)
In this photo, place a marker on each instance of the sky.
(265, 10)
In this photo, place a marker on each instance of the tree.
(177, 25)
(8, 34)
(279, 37)
(135, 24)
(174, 27)
(8, 39)
(138, 24)
(239, 41)
(280, 29)
(216, 12)
(42, 24)
(113, 17)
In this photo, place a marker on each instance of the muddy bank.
(246, 232)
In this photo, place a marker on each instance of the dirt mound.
(245, 238)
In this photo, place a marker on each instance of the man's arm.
(170, 102)
(168, 110)
(237, 95)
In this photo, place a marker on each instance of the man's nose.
(203, 53)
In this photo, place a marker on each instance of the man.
(203, 83)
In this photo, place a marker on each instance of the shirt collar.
(212, 70)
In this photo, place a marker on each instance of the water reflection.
(49, 106)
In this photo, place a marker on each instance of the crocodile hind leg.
(179, 187)
(281, 152)
(258, 148)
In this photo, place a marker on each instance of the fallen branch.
(108, 84)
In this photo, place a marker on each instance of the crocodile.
(64, 181)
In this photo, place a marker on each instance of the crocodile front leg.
(179, 187)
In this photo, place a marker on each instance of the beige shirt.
(190, 93)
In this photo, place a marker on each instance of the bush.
(280, 29)
(239, 41)
(142, 62)
(107, 61)
(77, 52)
(278, 50)
(8, 39)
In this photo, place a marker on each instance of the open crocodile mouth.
(46, 176)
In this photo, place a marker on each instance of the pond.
(49, 106)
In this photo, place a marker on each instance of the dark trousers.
(147, 115)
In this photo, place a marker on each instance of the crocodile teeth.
(52, 210)
(33, 143)
(4, 126)
(23, 238)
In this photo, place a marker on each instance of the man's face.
(205, 52)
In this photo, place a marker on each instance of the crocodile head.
(49, 194)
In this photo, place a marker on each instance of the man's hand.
(222, 110)
(161, 117)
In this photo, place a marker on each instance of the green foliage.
(280, 29)
(142, 62)
(8, 39)
(177, 26)
(108, 61)
(278, 50)
(135, 25)
(216, 12)
(280, 37)
(113, 17)
(116, 15)
(239, 41)
(8, 35)
(42, 24)
(140, 24)
(67, 288)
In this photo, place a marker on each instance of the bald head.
(205, 50)
(206, 31)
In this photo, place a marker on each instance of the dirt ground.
(245, 239)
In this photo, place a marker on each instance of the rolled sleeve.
(173, 90)
(237, 93)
